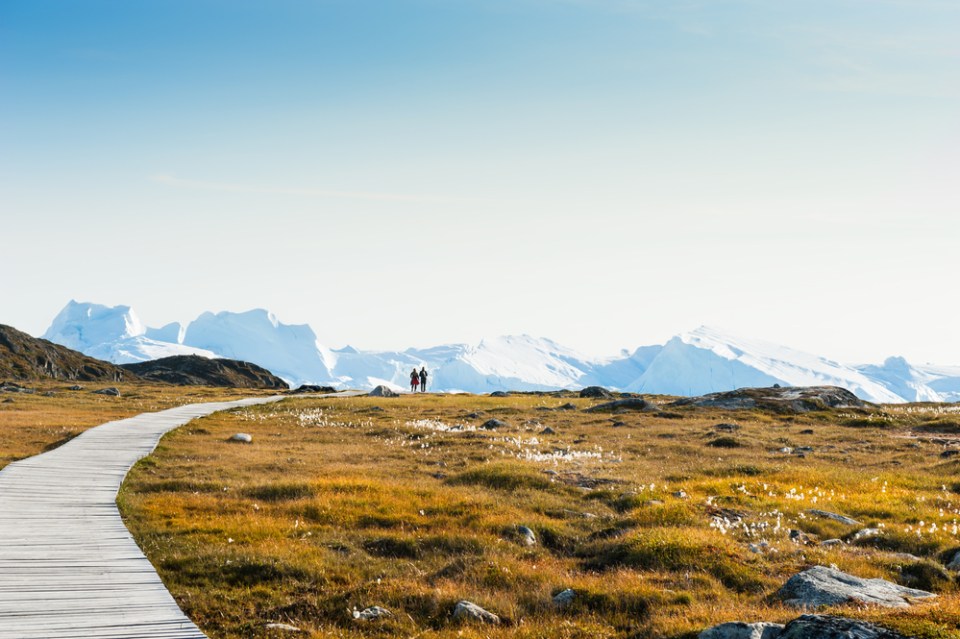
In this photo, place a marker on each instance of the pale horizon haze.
(605, 173)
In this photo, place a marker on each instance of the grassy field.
(31, 423)
(661, 524)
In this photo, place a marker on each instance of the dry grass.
(407, 504)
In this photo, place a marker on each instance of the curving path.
(68, 566)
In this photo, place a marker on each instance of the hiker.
(423, 379)
(414, 380)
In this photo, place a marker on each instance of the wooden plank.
(69, 569)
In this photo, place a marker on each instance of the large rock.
(596, 392)
(382, 391)
(111, 391)
(822, 586)
(631, 403)
(843, 519)
(829, 627)
(494, 424)
(741, 630)
(313, 388)
(467, 610)
(527, 536)
(564, 598)
(792, 399)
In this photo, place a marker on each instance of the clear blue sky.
(603, 172)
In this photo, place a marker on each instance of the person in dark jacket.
(423, 379)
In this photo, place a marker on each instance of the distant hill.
(25, 357)
(193, 370)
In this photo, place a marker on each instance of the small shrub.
(503, 477)
(281, 492)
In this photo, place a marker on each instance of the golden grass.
(344, 503)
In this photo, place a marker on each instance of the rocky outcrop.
(382, 391)
(829, 627)
(25, 357)
(822, 586)
(596, 392)
(629, 404)
(791, 399)
(193, 370)
(313, 388)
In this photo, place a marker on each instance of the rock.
(596, 392)
(499, 394)
(830, 627)
(807, 431)
(741, 630)
(382, 391)
(804, 449)
(373, 613)
(822, 586)
(834, 516)
(313, 388)
(467, 610)
(727, 427)
(953, 565)
(494, 424)
(567, 406)
(548, 431)
(831, 542)
(631, 403)
(243, 438)
(194, 370)
(8, 400)
(282, 627)
(793, 399)
(680, 494)
(474, 415)
(76, 387)
(800, 537)
(950, 452)
(111, 391)
(564, 598)
(527, 536)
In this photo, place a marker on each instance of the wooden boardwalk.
(68, 566)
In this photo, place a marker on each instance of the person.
(414, 380)
(423, 379)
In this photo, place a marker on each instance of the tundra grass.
(409, 504)
(31, 423)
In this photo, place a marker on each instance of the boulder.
(281, 627)
(527, 536)
(493, 424)
(953, 565)
(313, 388)
(564, 598)
(111, 391)
(727, 427)
(382, 391)
(243, 438)
(469, 611)
(822, 586)
(631, 403)
(792, 399)
(548, 431)
(499, 394)
(596, 392)
(76, 387)
(741, 630)
(830, 627)
(834, 516)
(373, 613)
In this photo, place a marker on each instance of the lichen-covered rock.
(111, 391)
(564, 598)
(493, 424)
(596, 392)
(527, 536)
(372, 613)
(822, 586)
(741, 630)
(843, 519)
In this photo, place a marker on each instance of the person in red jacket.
(414, 380)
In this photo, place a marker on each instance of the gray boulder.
(111, 391)
(281, 627)
(243, 438)
(76, 387)
(564, 598)
(499, 394)
(631, 403)
(382, 391)
(493, 424)
(834, 516)
(829, 627)
(527, 536)
(822, 586)
(741, 630)
(469, 611)
(955, 562)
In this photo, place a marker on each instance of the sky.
(606, 173)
